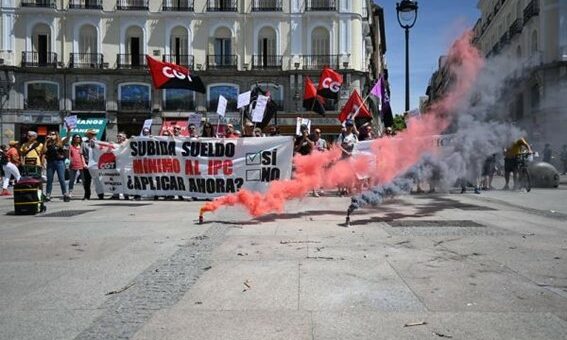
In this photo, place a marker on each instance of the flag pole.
(357, 110)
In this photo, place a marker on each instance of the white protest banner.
(147, 125)
(302, 121)
(259, 109)
(221, 108)
(71, 121)
(195, 119)
(203, 168)
(243, 99)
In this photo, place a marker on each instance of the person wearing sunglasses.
(54, 156)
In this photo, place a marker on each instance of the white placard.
(301, 121)
(259, 109)
(195, 119)
(243, 99)
(221, 108)
(71, 121)
(147, 125)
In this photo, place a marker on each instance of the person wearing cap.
(92, 174)
(10, 160)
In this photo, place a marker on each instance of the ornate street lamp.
(407, 15)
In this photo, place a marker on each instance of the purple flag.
(387, 116)
(377, 89)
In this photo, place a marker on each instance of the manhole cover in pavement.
(66, 213)
(440, 228)
(131, 205)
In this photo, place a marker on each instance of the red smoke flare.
(393, 155)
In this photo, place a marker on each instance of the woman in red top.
(77, 162)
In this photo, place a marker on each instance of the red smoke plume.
(393, 156)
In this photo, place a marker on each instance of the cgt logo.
(334, 86)
(107, 161)
(171, 73)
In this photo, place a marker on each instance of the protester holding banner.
(77, 165)
(193, 132)
(121, 139)
(303, 144)
(229, 131)
(92, 173)
(53, 154)
(208, 130)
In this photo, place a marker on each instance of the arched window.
(179, 47)
(41, 46)
(229, 91)
(89, 97)
(42, 95)
(134, 49)
(320, 49)
(134, 96)
(276, 92)
(178, 100)
(267, 49)
(88, 48)
(222, 49)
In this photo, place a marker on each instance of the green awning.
(97, 124)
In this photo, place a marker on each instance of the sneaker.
(101, 196)
(506, 187)
(66, 198)
(476, 190)
(47, 198)
(463, 190)
(5, 192)
(315, 194)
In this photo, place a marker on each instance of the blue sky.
(439, 22)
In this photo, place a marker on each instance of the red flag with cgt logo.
(172, 76)
(330, 83)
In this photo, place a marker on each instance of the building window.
(320, 41)
(229, 91)
(275, 91)
(89, 97)
(221, 48)
(534, 41)
(179, 44)
(41, 46)
(42, 96)
(134, 56)
(178, 100)
(134, 96)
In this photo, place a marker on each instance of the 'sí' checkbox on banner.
(253, 158)
(253, 175)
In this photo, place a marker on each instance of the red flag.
(330, 84)
(312, 101)
(352, 105)
(172, 76)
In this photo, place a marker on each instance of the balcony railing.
(132, 5)
(267, 6)
(178, 5)
(184, 104)
(316, 62)
(89, 104)
(39, 103)
(222, 6)
(36, 59)
(132, 61)
(515, 28)
(85, 4)
(230, 105)
(267, 61)
(39, 3)
(179, 59)
(219, 61)
(321, 5)
(134, 105)
(86, 60)
(531, 10)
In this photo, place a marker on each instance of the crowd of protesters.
(72, 154)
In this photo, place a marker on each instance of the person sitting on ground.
(511, 155)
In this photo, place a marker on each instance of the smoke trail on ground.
(394, 156)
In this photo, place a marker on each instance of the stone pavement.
(489, 266)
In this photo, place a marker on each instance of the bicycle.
(524, 179)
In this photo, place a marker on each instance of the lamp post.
(407, 15)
